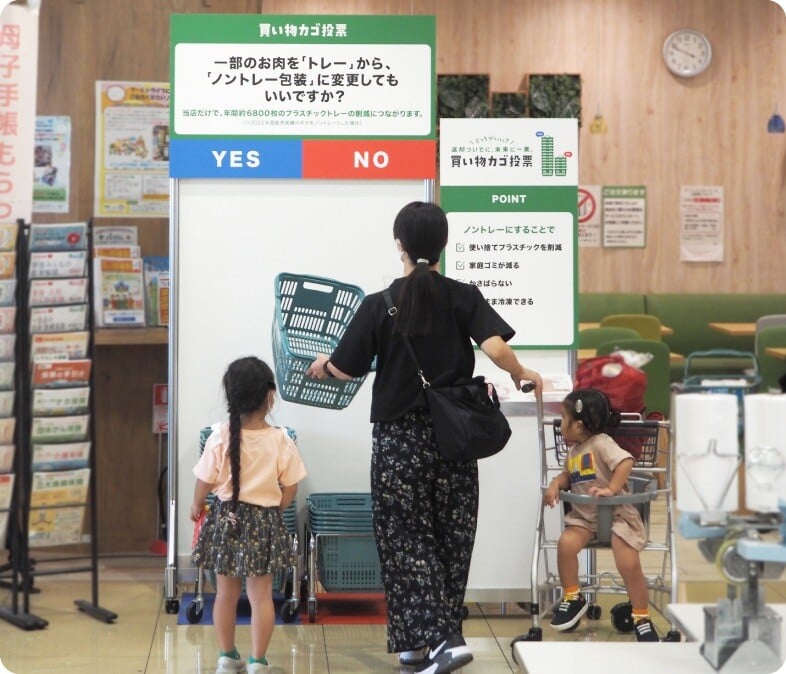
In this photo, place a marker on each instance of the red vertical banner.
(18, 80)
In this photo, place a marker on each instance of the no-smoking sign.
(588, 205)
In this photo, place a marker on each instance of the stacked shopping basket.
(311, 315)
(342, 548)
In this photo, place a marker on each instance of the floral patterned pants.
(425, 514)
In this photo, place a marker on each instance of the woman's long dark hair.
(247, 383)
(422, 229)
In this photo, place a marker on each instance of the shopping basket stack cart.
(738, 384)
(311, 315)
(342, 553)
(651, 438)
(284, 581)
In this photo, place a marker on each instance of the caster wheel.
(194, 613)
(464, 612)
(289, 610)
(312, 610)
(622, 617)
(673, 636)
(594, 612)
(534, 634)
(172, 606)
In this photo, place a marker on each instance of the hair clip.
(579, 406)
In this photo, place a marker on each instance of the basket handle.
(721, 353)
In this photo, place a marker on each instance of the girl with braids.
(253, 469)
(424, 507)
(598, 466)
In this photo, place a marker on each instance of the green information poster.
(510, 188)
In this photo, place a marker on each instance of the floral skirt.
(252, 542)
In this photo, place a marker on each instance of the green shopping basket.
(311, 315)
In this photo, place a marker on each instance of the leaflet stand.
(23, 567)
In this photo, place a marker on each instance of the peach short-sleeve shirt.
(268, 458)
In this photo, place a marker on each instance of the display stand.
(47, 411)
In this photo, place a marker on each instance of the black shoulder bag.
(468, 423)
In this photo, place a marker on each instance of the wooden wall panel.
(664, 132)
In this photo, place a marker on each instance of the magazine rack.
(55, 461)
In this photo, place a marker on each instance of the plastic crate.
(349, 563)
(311, 315)
(340, 512)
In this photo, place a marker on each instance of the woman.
(424, 508)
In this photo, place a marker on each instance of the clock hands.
(684, 51)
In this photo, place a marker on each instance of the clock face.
(687, 52)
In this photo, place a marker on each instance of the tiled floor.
(146, 639)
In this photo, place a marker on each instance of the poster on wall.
(18, 68)
(510, 189)
(52, 164)
(132, 150)
(701, 223)
(337, 97)
(590, 218)
(624, 209)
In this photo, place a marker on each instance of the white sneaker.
(412, 658)
(257, 668)
(227, 665)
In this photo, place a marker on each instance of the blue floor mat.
(243, 610)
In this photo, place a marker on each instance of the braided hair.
(247, 383)
(422, 229)
(592, 408)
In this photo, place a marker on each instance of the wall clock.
(687, 52)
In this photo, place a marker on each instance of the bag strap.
(392, 311)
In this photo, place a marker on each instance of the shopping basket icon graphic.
(311, 315)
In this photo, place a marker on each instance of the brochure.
(57, 507)
(61, 456)
(119, 292)
(59, 429)
(49, 402)
(68, 236)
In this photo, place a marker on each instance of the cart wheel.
(622, 617)
(172, 606)
(673, 636)
(312, 610)
(730, 563)
(289, 610)
(194, 613)
(534, 634)
(594, 612)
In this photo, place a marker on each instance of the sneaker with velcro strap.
(645, 630)
(446, 655)
(568, 613)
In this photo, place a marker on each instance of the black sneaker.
(445, 656)
(645, 630)
(568, 613)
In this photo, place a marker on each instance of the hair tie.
(579, 406)
(422, 260)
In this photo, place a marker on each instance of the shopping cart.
(342, 552)
(285, 581)
(652, 437)
(311, 315)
